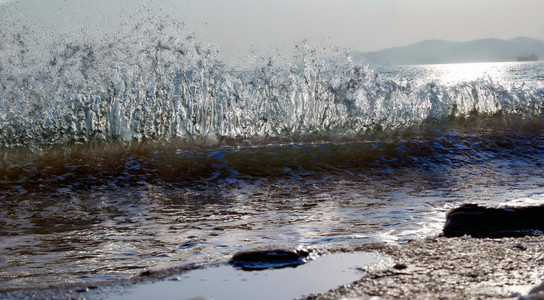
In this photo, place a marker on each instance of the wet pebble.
(266, 259)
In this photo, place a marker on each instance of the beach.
(432, 268)
(451, 268)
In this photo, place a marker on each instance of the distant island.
(441, 51)
(528, 58)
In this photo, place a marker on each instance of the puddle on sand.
(226, 282)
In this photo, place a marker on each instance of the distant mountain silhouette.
(440, 51)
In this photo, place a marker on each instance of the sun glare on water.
(467, 72)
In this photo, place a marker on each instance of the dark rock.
(146, 273)
(400, 267)
(483, 222)
(266, 259)
(520, 246)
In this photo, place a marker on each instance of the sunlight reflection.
(466, 72)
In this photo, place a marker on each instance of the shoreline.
(432, 268)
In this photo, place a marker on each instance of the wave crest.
(154, 81)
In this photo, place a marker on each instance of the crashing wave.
(154, 81)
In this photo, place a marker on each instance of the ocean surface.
(146, 151)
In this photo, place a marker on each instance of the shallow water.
(158, 155)
(225, 282)
(90, 228)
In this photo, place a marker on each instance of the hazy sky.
(365, 25)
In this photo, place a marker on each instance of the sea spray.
(152, 80)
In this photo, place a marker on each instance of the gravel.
(451, 268)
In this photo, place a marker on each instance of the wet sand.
(451, 268)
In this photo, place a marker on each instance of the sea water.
(142, 150)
